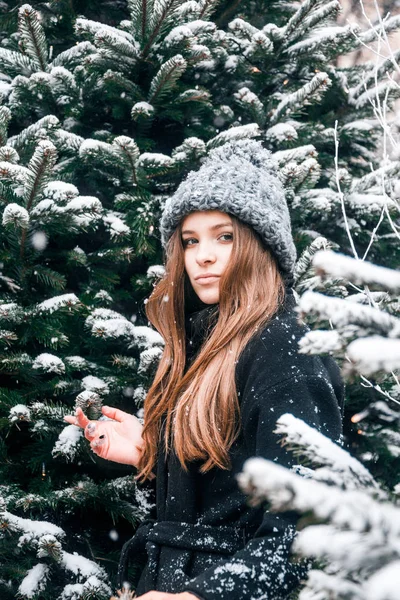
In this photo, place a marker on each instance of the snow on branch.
(48, 123)
(374, 354)
(56, 302)
(312, 91)
(107, 323)
(359, 272)
(320, 342)
(35, 581)
(240, 132)
(307, 442)
(31, 531)
(265, 480)
(347, 552)
(342, 313)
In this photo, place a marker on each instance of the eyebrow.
(213, 228)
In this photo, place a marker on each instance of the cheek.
(227, 254)
(188, 265)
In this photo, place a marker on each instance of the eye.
(228, 237)
(187, 242)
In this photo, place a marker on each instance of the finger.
(81, 418)
(90, 431)
(114, 413)
(71, 419)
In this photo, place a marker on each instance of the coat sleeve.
(263, 569)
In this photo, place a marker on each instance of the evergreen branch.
(207, 7)
(354, 551)
(32, 36)
(116, 44)
(265, 480)
(166, 77)
(13, 173)
(330, 263)
(392, 170)
(96, 151)
(374, 74)
(380, 91)
(40, 169)
(50, 122)
(140, 12)
(305, 261)
(373, 355)
(115, 79)
(130, 152)
(297, 20)
(234, 133)
(310, 92)
(8, 154)
(49, 277)
(325, 41)
(161, 9)
(5, 118)
(250, 101)
(74, 55)
(342, 313)
(298, 154)
(14, 63)
(86, 26)
(308, 443)
(65, 140)
(372, 34)
(319, 341)
(317, 17)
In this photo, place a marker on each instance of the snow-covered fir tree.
(101, 116)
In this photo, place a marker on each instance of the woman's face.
(207, 238)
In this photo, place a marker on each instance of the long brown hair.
(201, 406)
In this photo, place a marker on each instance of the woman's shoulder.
(272, 355)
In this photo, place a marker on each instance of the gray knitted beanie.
(239, 178)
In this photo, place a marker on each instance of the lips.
(208, 278)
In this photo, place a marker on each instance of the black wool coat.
(203, 537)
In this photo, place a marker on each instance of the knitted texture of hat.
(239, 178)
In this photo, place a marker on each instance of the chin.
(212, 297)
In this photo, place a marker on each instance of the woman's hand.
(153, 595)
(119, 440)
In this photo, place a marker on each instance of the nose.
(205, 253)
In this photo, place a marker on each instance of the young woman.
(229, 370)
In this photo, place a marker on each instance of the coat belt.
(152, 534)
